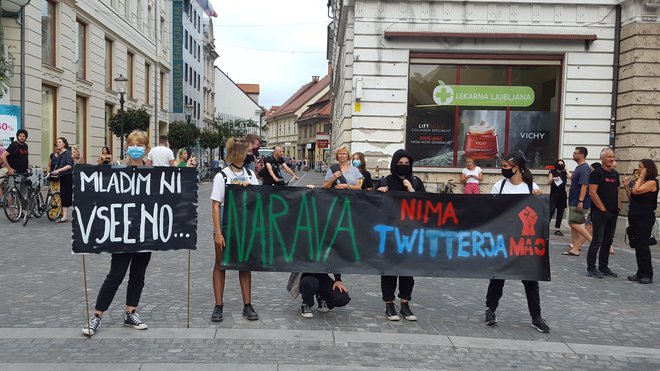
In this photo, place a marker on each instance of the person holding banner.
(138, 144)
(235, 173)
(517, 180)
(401, 179)
(343, 175)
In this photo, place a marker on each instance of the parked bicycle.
(35, 204)
(14, 202)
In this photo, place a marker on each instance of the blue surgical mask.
(135, 152)
(356, 163)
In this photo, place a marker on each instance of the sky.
(279, 45)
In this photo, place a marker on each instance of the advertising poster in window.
(430, 136)
(534, 134)
(482, 135)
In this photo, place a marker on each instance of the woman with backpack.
(401, 179)
(235, 173)
(517, 180)
(643, 195)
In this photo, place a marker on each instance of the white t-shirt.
(509, 188)
(160, 156)
(218, 192)
(476, 171)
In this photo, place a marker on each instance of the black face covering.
(403, 170)
(507, 173)
(248, 159)
(255, 152)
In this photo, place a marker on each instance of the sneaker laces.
(94, 322)
(133, 318)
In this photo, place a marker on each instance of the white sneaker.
(92, 326)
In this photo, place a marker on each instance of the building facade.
(449, 80)
(235, 107)
(73, 53)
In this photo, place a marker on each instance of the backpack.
(250, 174)
(529, 185)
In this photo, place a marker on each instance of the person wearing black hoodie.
(401, 179)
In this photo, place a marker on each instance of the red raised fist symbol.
(528, 217)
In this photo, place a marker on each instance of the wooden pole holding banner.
(188, 323)
(86, 295)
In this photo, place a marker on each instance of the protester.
(253, 156)
(604, 192)
(161, 155)
(400, 179)
(471, 175)
(183, 160)
(517, 180)
(557, 179)
(15, 156)
(329, 293)
(106, 157)
(641, 217)
(272, 175)
(361, 163)
(138, 144)
(235, 173)
(343, 175)
(75, 154)
(579, 202)
(63, 170)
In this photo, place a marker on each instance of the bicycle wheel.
(39, 206)
(54, 206)
(13, 206)
(28, 209)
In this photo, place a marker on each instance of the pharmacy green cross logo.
(443, 94)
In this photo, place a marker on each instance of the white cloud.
(279, 45)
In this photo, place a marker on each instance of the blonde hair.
(138, 138)
(237, 150)
(342, 149)
(179, 155)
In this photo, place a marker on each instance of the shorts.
(576, 216)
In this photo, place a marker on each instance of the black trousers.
(312, 284)
(496, 287)
(66, 190)
(641, 223)
(557, 202)
(604, 223)
(388, 287)
(119, 264)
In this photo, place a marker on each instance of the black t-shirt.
(18, 157)
(367, 182)
(558, 190)
(608, 188)
(275, 164)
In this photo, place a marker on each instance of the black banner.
(396, 233)
(119, 209)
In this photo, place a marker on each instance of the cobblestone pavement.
(596, 324)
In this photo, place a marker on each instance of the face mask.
(403, 170)
(560, 167)
(507, 173)
(255, 152)
(356, 163)
(248, 159)
(135, 152)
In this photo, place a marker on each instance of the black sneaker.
(608, 272)
(390, 312)
(217, 313)
(306, 311)
(539, 324)
(323, 305)
(595, 273)
(250, 313)
(406, 313)
(92, 326)
(491, 318)
(558, 233)
(132, 319)
(634, 278)
(645, 280)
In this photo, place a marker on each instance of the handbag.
(53, 178)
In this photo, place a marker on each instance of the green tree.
(210, 139)
(182, 135)
(133, 119)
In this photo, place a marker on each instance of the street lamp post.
(121, 82)
(188, 111)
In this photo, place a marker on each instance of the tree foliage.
(133, 119)
(210, 139)
(182, 135)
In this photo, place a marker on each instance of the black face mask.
(255, 152)
(248, 159)
(560, 167)
(507, 173)
(403, 170)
